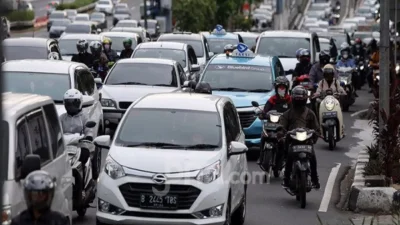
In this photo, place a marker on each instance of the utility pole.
(3, 143)
(384, 60)
(145, 13)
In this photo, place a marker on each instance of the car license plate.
(302, 148)
(329, 114)
(152, 201)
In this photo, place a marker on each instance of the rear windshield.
(57, 15)
(283, 47)
(14, 52)
(78, 29)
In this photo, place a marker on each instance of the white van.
(31, 126)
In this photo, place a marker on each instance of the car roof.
(184, 101)
(331, 34)
(322, 39)
(162, 44)
(149, 21)
(127, 29)
(82, 14)
(128, 21)
(147, 60)
(258, 60)
(118, 34)
(26, 41)
(181, 36)
(286, 33)
(247, 34)
(40, 65)
(16, 104)
(228, 35)
(81, 36)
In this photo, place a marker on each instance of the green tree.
(226, 9)
(194, 15)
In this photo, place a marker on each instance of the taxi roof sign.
(219, 30)
(242, 51)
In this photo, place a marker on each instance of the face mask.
(345, 56)
(281, 92)
(304, 61)
(106, 47)
(358, 46)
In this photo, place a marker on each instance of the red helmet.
(358, 41)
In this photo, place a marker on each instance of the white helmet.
(73, 101)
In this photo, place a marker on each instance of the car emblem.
(159, 178)
(242, 48)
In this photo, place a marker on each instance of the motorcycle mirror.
(90, 124)
(255, 104)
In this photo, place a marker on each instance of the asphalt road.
(268, 203)
(39, 6)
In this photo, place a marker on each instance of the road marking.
(328, 189)
(359, 112)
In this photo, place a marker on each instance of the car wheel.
(100, 223)
(239, 215)
(228, 216)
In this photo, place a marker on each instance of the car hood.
(60, 109)
(67, 57)
(244, 99)
(181, 161)
(121, 16)
(288, 63)
(57, 28)
(132, 92)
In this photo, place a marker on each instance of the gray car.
(146, 76)
(100, 19)
(56, 15)
(121, 14)
(58, 28)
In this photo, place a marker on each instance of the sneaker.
(316, 185)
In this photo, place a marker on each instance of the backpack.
(334, 80)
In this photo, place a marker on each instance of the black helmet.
(373, 44)
(281, 80)
(39, 190)
(299, 96)
(329, 71)
(82, 45)
(324, 57)
(203, 88)
(228, 48)
(96, 47)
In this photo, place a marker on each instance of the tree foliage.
(194, 15)
(226, 9)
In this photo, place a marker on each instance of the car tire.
(96, 163)
(228, 216)
(239, 215)
(100, 223)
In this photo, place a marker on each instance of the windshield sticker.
(239, 67)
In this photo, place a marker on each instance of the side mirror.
(237, 148)
(87, 101)
(102, 141)
(90, 124)
(98, 80)
(289, 72)
(195, 68)
(190, 84)
(31, 163)
(211, 54)
(255, 104)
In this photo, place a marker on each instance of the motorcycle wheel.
(331, 139)
(81, 212)
(303, 189)
(268, 158)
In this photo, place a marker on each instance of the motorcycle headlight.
(274, 118)
(361, 67)
(210, 173)
(397, 68)
(329, 105)
(107, 102)
(301, 136)
(113, 169)
(377, 77)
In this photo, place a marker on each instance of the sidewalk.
(379, 220)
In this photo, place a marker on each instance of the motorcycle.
(80, 154)
(361, 71)
(331, 118)
(301, 142)
(345, 78)
(269, 159)
(375, 85)
(304, 80)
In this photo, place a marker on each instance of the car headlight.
(329, 105)
(210, 173)
(107, 102)
(113, 169)
(6, 216)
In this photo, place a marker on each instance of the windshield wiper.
(133, 83)
(229, 89)
(284, 56)
(201, 146)
(154, 144)
(259, 90)
(163, 85)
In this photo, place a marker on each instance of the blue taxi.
(244, 77)
(219, 38)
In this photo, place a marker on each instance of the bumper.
(253, 134)
(211, 195)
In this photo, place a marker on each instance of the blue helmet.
(298, 52)
(305, 52)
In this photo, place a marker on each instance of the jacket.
(374, 61)
(301, 69)
(277, 103)
(335, 86)
(75, 124)
(48, 218)
(112, 55)
(126, 54)
(85, 58)
(346, 63)
(300, 118)
(316, 74)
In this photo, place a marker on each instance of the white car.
(82, 17)
(54, 78)
(67, 43)
(177, 158)
(105, 6)
(127, 23)
(146, 76)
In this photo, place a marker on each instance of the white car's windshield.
(14, 52)
(171, 129)
(117, 43)
(217, 44)
(126, 24)
(197, 45)
(225, 77)
(142, 74)
(51, 84)
(324, 45)
(177, 55)
(68, 46)
(284, 47)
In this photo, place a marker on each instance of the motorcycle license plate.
(302, 148)
(271, 126)
(329, 115)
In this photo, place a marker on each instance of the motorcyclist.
(303, 66)
(83, 55)
(228, 48)
(111, 54)
(316, 73)
(100, 59)
(127, 52)
(298, 51)
(345, 61)
(358, 49)
(300, 116)
(39, 189)
(280, 102)
(345, 46)
(373, 63)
